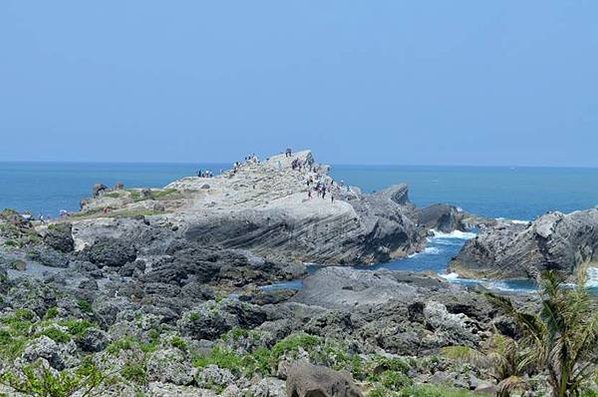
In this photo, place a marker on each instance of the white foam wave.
(449, 276)
(432, 251)
(519, 222)
(592, 277)
(513, 221)
(457, 234)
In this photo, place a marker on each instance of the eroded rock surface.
(554, 241)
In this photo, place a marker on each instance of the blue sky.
(384, 82)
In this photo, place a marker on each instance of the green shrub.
(135, 372)
(56, 335)
(433, 391)
(51, 313)
(77, 327)
(126, 343)
(179, 343)
(394, 380)
(292, 343)
(36, 380)
(85, 306)
(222, 357)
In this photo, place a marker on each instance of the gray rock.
(554, 241)
(18, 264)
(46, 348)
(170, 366)
(212, 375)
(89, 285)
(268, 387)
(94, 340)
(59, 237)
(442, 217)
(49, 257)
(307, 380)
(110, 252)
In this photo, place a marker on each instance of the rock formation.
(554, 241)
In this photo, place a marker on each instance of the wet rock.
(442, 217)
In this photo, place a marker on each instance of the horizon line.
(100, 162)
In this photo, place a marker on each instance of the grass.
(135, 372)
(179, 343)
(433, 391)
(56, 335)
(85, 306)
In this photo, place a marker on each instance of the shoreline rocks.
(554, 241)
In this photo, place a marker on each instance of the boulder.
(93, 340)
(307, 380)
(59, 237)
(109, 252)
(170, 366)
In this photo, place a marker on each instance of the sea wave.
(592, 281)
(514, 221)
(432, 251)
(449, 276)
(457, 234)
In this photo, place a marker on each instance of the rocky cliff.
(510, 250)
(267, 207)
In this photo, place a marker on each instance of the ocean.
(518, 193)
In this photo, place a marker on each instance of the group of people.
(205, 173)
(321, 188)
(252, 159)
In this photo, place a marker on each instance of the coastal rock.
(307, 380)
(59, 237)
(554, 241)
(170, 366)
(93, 340)
(109, 252)
(441, 217)
(264, 207)
(346, 288)
(98, 189)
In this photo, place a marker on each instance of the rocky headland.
(172, 292)
(554, 241)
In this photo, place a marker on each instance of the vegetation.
(39, 381)
(501, 357)
(561, 338)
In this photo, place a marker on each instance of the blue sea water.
(520, 193)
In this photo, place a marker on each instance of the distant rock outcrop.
(554, 241)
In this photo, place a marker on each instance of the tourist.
(332, 198)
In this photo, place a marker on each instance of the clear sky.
(360, 82)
